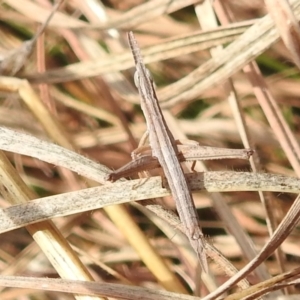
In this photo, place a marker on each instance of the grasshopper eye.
(142, 75)
(136, 79)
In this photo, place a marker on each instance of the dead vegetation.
(227, 76)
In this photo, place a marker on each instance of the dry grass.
(70, 113)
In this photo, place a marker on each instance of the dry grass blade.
(135, 190)
(28, 145)
(14, 61)
(265, 287)
(45, 233)
(287, 25)
(145, 12)
(26, 8)
(167, 49)
(246, 48)
(91, 288)
(284, 229)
